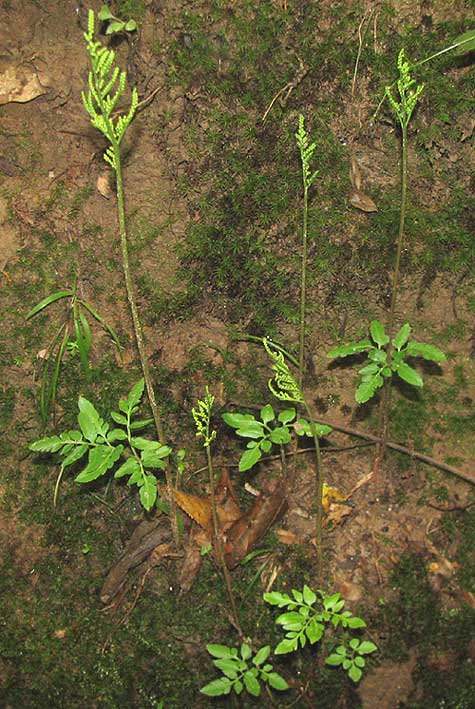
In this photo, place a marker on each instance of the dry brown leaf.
(365, 479)
(198, 508)
(337, 513)
(287, 537)
(190, 566)
(331, 494)
(355, 173)
(103, 186)
(19, 84)
(350, 591)
(361, 201)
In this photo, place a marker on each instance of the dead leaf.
(467, 131)
(355, 173)
(365, 479)
(103, 186)
(247, 531)
(331, 494)
(190, 566)
(361, 201)
(60, 634)
(20, 84)
(337, 513)
(198, 508)
(287, 537)
(349, 591)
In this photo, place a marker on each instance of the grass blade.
(48, 300)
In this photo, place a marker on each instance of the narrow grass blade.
(82, 333)
(49, 388)
(48, 300)
(103, 322)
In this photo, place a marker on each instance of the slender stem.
(318, 492)
(138, 328)
(303, 283)
(219, 545)
(383, 412)
(400, 239)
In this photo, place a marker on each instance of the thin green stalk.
(106, 85)
(383, 412)
(318, 492)
(403, 107)
(129, 286)
(131, 297)
(303, 284)
(285, 387)
(306, 152)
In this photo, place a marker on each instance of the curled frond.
(283, 385)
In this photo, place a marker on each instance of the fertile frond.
(202, 417)
(306, 153)
(106, 86)
(283, 386)
(408, 95)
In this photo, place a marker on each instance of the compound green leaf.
(378, 333)
(89, 420)
(249, 458)
(409, 375)
(277, 682)
(148, 492)
(47, 445)
(428, 352)
(252, 684)
(237, 420)
(75, 455)
(267, 413)
(281, 435)
(350, 349)
(217, 687)
(402, 336)
(101, 459)
(286, 416)
(130, 467)
(261, 655)
(220, 651)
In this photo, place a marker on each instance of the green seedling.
(304, 621)
(74, 336)
(202, 419)
(351, 657)
(107, 448)
(242, 669)
(384, 361)
(106, 86)
(306, 149)
(269, 430)
(115, 24)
